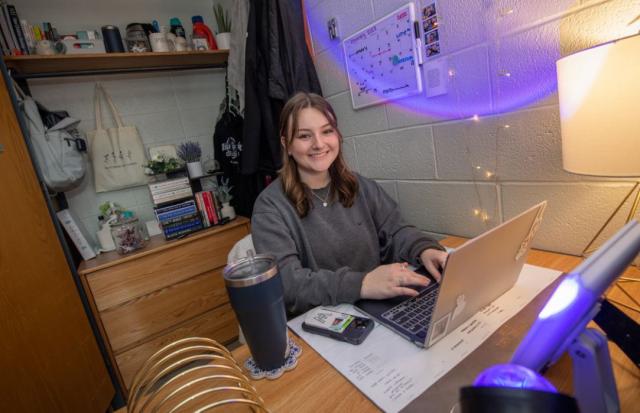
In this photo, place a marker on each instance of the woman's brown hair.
(344, 184)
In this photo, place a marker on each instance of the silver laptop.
(475, 274)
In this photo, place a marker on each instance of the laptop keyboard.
(415, 313)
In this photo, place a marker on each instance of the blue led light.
(564, 295)
(513, 376)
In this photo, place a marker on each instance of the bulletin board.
(382, 59)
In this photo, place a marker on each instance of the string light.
(505, 12)
(506, 126)
(489, 174)
(452, 72)
(483, 215)
(475, 118)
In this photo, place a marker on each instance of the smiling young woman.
(337, 236)
(312, 153)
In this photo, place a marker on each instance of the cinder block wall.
(433, 158)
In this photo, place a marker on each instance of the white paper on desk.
(392, 372)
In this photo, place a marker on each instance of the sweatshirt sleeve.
(303, 287)
(399, 241)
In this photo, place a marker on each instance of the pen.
(416, 29)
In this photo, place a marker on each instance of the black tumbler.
(257, 297)
(112, 39)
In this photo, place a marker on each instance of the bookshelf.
(34, 66)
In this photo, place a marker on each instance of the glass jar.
(127, 235)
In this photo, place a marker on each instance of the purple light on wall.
(498, 73)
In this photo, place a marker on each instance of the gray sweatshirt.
(324, 256)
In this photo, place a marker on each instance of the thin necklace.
(325, 199)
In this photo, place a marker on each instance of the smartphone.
(340, 326)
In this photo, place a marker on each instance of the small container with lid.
(127, 235)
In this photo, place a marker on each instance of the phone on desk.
(337, 325)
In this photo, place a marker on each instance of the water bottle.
(201, 30)
(176, 27)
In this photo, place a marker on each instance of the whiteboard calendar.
(383, 60)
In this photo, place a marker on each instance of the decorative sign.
(382, 59)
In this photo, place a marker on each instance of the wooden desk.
(315, 386)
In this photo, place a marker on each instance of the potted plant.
(223, 37)
(191, 152)
(224, 196)
(161, 165)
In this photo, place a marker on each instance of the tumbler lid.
(250, 270)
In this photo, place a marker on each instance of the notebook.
(475, 274)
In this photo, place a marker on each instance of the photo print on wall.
(430, 27)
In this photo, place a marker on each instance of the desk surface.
(316, 386)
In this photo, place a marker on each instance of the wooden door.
(49, 358)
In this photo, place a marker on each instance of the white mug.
(171, 41)
(158, 42)
(45, 48)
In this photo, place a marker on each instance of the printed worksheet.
(392, 372)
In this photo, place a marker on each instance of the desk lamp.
(599, 91)
(560, 327)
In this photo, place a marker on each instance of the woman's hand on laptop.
(433, 260)
(391, 280)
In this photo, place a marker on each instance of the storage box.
(79, 46)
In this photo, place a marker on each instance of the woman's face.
(314, 147)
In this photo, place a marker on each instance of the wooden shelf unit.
(34, 66)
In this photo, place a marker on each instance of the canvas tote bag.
(117, 153)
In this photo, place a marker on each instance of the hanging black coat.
(278, 65)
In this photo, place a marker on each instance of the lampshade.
(599, 91)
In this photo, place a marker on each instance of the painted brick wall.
(432, 157)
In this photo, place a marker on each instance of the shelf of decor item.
(166, 291)
(34, 66)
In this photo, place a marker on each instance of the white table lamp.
(599, 91)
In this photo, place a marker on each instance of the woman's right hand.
(391, 280)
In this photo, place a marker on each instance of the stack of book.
(209, 207)
(170, 190)
(16, 35)
(179, 219)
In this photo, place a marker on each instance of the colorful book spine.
(17, 29)
(27, 29)
(168, 191)
(203, 213)
(180, 219)
(6, 30)
(182, 226)
(172, 196)
(217, 204)
(6, 51)
(175, 213)
(179, 182)
(181, 233)
(210, 207)
(174, 206)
